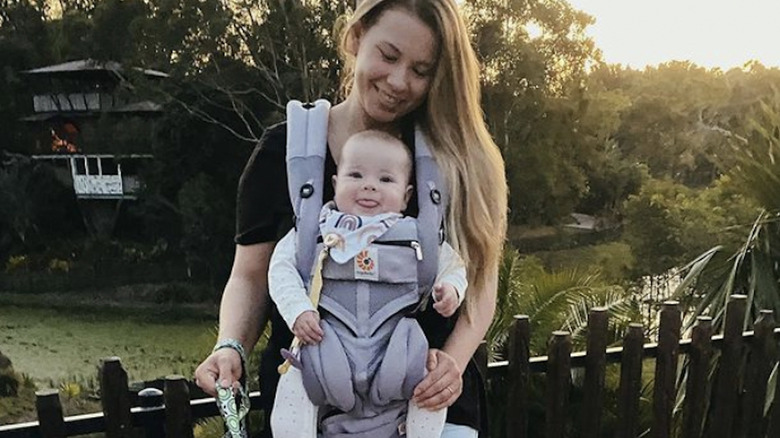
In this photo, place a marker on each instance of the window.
(92, 166)
(80, 164)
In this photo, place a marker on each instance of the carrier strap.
(307, 139)
(307, 142)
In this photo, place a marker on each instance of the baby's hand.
(446, 298)
(307, 327)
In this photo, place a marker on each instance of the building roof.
(89, 65)
(137, 108)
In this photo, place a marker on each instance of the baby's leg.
(422, 423)
(293, 415)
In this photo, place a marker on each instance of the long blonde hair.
(453, 119)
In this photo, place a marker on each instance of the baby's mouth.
(367, 203)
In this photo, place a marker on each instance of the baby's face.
(372, 178)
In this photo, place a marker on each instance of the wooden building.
(92, 123)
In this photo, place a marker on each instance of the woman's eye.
(388, 57)
(422, 73)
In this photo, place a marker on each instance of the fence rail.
(729, 405)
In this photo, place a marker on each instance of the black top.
(264, 214)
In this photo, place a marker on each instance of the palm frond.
(619, 305)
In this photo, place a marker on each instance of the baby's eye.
(386, 179)
(354, 175)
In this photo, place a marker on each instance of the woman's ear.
(353, 40)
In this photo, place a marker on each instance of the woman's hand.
(443, 383)
(223, 365)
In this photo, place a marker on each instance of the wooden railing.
(736, 404)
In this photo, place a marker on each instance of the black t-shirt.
(264, 214)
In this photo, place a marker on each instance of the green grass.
(613, 259)
(53, 346)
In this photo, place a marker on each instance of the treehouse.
(92, 122)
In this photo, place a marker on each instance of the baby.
(372, 189)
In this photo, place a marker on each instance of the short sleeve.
(263, 210)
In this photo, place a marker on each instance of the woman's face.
(394, 66)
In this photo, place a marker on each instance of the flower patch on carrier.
(367, 264)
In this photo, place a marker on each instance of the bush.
(9, 380)
(17, 263)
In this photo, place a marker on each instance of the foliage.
(614, 260)
(751, 269)
(557, 300)
(34, 204)
(532, 99)
(206, 233)
(667, 224)
(17, 262)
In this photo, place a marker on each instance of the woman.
(407, 62)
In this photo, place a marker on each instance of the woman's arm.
(242, 316)
(444, 383)
(470, 332)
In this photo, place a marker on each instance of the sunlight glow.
(710, 33)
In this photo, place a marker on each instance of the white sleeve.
(285, 284)
(452, 270)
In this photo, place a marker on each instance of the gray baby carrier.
(373, 353)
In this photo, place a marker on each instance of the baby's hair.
(373, 135)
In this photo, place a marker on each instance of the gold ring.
(452, 392)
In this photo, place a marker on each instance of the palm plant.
(752, 270)
(557, 300)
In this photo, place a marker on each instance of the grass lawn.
(54, 346)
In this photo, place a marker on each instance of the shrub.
(17, 263)
(9, 383)
(59, 265)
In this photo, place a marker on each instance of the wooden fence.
(730, 403)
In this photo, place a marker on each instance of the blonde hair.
(452, 118)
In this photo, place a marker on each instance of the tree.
(532, 99)
(752, 269)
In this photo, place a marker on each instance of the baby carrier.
(373, 353)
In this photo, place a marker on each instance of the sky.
(710, 33)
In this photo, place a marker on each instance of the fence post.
(595, 368)
(724, 398)
(151, 399)
(698, 377)
(50, 421)
(664, 392)
(774, 411)
(630, 381)
(518, 378)
(481, 359)
(558, 383)
(762, 359)
(178, 414)
(114, 398)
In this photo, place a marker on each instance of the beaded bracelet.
(232, 344)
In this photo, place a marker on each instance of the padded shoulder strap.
(432, 200)
(307, 139)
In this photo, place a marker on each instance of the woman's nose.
(397, 78)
